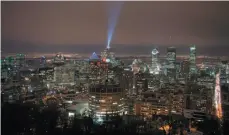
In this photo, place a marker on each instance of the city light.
(70, 114)
(217, 97)
(94, 68)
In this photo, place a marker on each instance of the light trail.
(114, 9)
(217, 97)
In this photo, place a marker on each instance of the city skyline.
(82, 26)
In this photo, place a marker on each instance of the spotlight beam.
(114, 9)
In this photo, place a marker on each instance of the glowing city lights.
(217, 97)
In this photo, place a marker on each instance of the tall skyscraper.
(106, 99)
(171, 57)
(155, 64)
(104, 55)
(192, 60)
(171, 63)
(224, 78)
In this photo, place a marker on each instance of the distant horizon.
(70, 54)
(13, 46)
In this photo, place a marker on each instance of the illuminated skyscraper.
(192, 60)
(171, 57)
(109, 56)
(106, 99)
(171, 60)
(104, 55)
(224, 74)
(155, 64)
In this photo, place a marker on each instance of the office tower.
(192, 60)
(224, 72)
(185, 67)
(104, 55)
(136, 65)
(106, 99)
(94, 69)
(141, 85)
(155, 65)
(98, 69)
(171, 60)
(171, 57)
(178, 69)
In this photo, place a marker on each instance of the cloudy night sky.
(82, 26)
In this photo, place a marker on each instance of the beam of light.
(114, 9)
(217, 97)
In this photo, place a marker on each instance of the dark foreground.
(20, 119)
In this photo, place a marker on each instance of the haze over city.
(81, 27)
(95, 68)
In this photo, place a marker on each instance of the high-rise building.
(171, 57)
(171, 63)
(192, 60)
(178, 69)
(155, 64)
(224, 75)
(106, 99)
(98, 69)
(104, 55)
(185, 67)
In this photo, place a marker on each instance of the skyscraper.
(171, 57)
(104, 55)
(171, 63)
(224, 72)
(106, 99)
(192, 60)
(155, 64)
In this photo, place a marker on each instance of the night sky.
(82, 27)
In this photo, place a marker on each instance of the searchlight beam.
(114, 9)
